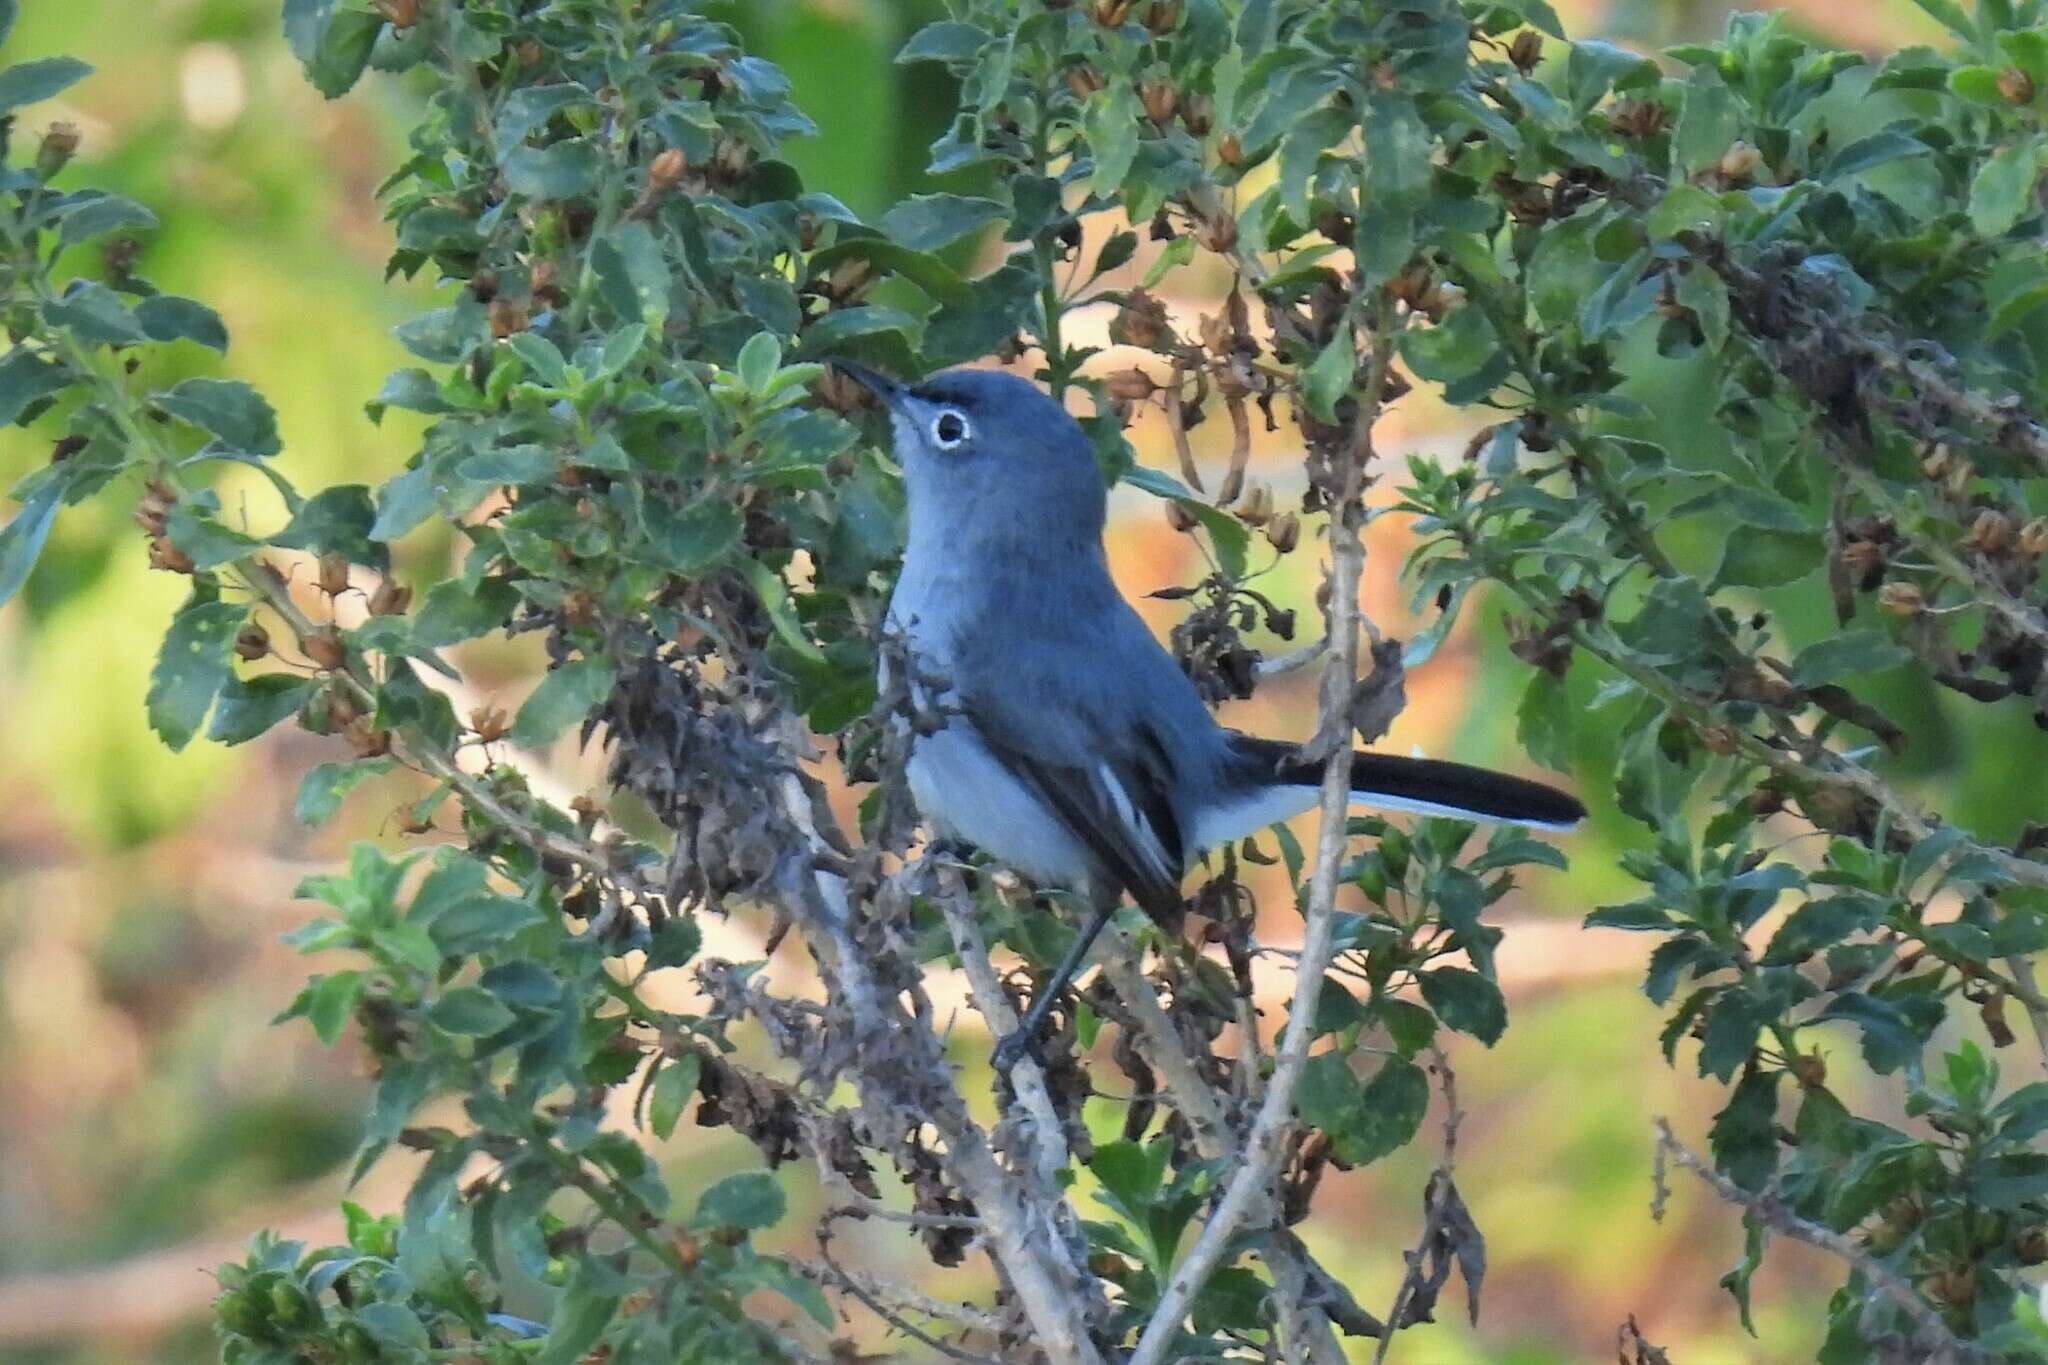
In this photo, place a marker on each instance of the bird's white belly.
(964, 793)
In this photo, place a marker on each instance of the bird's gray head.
(983, 450)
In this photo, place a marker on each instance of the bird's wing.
(1118, 806)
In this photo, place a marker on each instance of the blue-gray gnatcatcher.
(1073, 748)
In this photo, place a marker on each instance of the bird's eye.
(949, 429)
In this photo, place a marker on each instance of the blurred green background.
(150, 1118)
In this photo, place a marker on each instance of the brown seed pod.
(666, 169)
(1197, 114)
(507, 316)
(1991, 532)
(1084, 80)
(168, 557)
(2034, 538)
(59, 145)
(687, 1250)
(2016, 86)
(1129, 386)
(367, 740)
(1160, 99)
(1740, 163)
(541, 284)
(528, 52)
(1526, 51)
(490, 722)
(1256, 508)
(1283, 532)
(1111, 13)
(332, 576)
(1179, 517)
(390, 599)
(1901, 599)
(325, 649)
(1229, 150)
(1163, 16)
(1217, 232)
(398, 13)
(252, 642)
(1141, 322)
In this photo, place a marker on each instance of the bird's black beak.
(886, 390)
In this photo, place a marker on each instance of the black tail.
(1426, 783)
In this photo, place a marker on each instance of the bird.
(1068, 744)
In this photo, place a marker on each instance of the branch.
(1931, 1335)
(1265, 1145)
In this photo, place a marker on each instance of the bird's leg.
(1025, 1041)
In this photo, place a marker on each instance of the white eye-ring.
(950, 429)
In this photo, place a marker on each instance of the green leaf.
(1951, 16)
(1327, 380)
(561, 170)
(1850, 654)
(691, 540)
(330, 1000)
(750, 1200)
(394, 1325)
(89, 219)
(469, 1010)
(322, 790)
(1227, 534)
(228, 408)
(921, 268)
(774, 595)
(672, 1088)
(25, 379)
(95, 314)
(337, 519)
(209, 543)
(946, 41)
(635, 274)
(1708, 124)
(192, 668)
(580, 1317)
(249, 707)
(1763, 557)
(1110, 119)
(1467, 1001)
(926, 222)
(2003, 191)
(565, 697)
(479, 922)
(1390, 1109)
(758, 361)
(166, 317)
(31, 82)
(21, 540)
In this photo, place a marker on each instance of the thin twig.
(1932, 1335)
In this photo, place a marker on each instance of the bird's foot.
(1014, 1048)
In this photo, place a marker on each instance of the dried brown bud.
(587, 808)
(1179, 517)
(2030, 1245)
(1163, 16)
(1991, 532)
(2016, 86)
(507, 316)
(1901, 599)
(1639, 118)
(332, 574)
(541, 284)
(1111, 13)
(666, 169)
(850, 279)
(398, 13)
(1526, 51)
(1740, 163)
(1129, 386)
(1141, 322)
(390, 599)
(367, 740)
(1217, 232)
(1283, 532)
(1810, 1069)
(168, 557)
(59, 145)
(1197, 113)
(2034, 538)
(1160, 99)
(687, 1251)
(490, 722)
(325, 649)
(1256, 508)
(252, 642)
(1084, 80)
(1719, 739)
(1229, 150)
